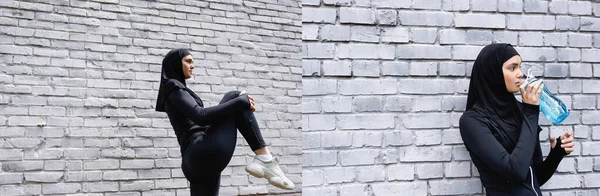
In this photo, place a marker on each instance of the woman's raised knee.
(230, 95)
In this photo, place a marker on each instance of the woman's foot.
(269, 169)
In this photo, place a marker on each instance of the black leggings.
(210, 151)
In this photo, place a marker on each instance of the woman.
(502, 134)
(207, 136)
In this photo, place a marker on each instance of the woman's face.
(188, 66)
(512, 73)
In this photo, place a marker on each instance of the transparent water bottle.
(552, 107)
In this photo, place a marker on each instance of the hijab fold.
(489, 96)
(172, 77)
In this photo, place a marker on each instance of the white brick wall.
(78, 83)
(385, 82)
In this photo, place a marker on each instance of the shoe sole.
(258, 172)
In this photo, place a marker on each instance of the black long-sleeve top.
(186, 116)
(519, 172)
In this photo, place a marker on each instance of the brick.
(591, 180)
(327, 191)
(479, 37)
(569, 86)
(11, 178)
(416, 121)
(423, 68)
(556, 70)
(400, 172)
(580, 8)
(30, 189)
(61, 188)
(319, 87)
(370, 174)
(427, 4)
(395, 68)
(141, 185)
(580, 70)
(482, 5)
(580, 40)
(452, 69)
(366, 104)
(337, 104)
(430, 170)
(395, 35)
(310, 32)
(357, 15)
(564, 182)
(514, 6)
(335, 2)
(452, 36)
(492, 21)
(506, 37)
(568, 23)
(422, 52)
(365, 51)
(426, 86)
(386, 4)
(400, 188)
(338, 174)
(456, 5)
(387, 17)
(556, 39)
(517, 22)
(463, 186)
(532, 6)
(364, 34)
(365, 122)
(322, 158)
(365, 68)
(422, 35)
(425, 18)
(47, 177)
(585, 164)
(536, 54)
(426, 154)
(335, 33)
(358, 157)
(531, 39)
(590, 117)
(588, 55)
(317, 50)
(337, 68)
(559, 7)
(321, 122)
(367, 86)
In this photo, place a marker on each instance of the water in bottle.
(552, 107)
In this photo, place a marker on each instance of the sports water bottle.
(552, 107)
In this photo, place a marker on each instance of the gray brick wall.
(385, 82)
(78, 83)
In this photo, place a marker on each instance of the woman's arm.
(546, 169)
(482, 143)
(185, 103)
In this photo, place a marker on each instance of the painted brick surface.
(385, 82)
(79, 79)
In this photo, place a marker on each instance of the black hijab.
(489, 97)
(172, 77)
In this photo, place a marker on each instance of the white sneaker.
(270, 170)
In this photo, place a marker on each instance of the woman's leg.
(246, 123)
(208, 187)
(264, 165)
(207, 157)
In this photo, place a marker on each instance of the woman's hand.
(252, 105)
(566, 141)
(532, 94)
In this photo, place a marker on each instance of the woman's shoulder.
(472, 117)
